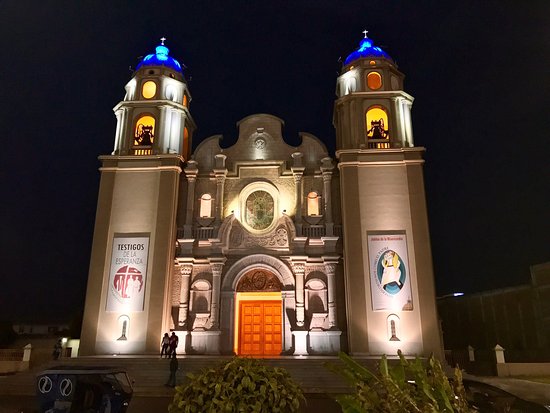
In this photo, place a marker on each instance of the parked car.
(487, 398)
(72, 389)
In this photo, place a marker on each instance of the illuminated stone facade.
(263, 248)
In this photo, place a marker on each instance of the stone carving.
(258, 280)
(318, 321)
(298, 268)
(277, 239)
(176, 286)
(236, 236)
(330, 268)
(217, 268)
(186, 269)
(259, 143)
(202, 322)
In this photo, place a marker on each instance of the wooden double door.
(260, 329)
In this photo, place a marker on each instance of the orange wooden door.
(260, 332)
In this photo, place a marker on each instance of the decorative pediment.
(236, 236)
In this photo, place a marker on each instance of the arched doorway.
(259, 314)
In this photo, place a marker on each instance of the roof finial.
(162, 39)
(365, 33)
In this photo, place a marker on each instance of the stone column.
(119, 117)
(220, 172)
(185, 273)
(161, 131)
(298, 172)
(299, 269)
(124, 137)
(191, 172)
(330, 271)
(326, 169)
(216, 264)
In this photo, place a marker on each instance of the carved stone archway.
(254, 262)
(257, 273)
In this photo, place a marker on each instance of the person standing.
(165, 346)
(173, 369)
(174, 339)
(57, 350)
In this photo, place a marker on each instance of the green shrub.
(408, 386)
(240, 385)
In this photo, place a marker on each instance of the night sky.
(479, 72)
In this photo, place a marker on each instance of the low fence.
(14, 360)
(492, 362)
(523, 369)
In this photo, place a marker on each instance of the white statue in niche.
(393, 328)
(123, 322)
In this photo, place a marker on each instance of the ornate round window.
(260, 208)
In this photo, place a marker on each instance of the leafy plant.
(409, 386)
(240, 385)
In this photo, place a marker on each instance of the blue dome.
(161, 58)
(366, 49)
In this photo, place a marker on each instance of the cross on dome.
(161, 57)
(366, 49)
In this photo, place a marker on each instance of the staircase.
(149, 374)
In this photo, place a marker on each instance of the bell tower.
(127, 300)
(390, 294)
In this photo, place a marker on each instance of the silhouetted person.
(174, 340)
(57, 350)
(173, 370)
(165, 346)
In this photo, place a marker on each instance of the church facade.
(262, 248)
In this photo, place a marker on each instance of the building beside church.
(516, 318)
(263, 248)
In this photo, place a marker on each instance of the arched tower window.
(206, 206)
(313, 199)
(185, 100)
(149, 89)
(144, 135)
(376, 125)
(374, 80)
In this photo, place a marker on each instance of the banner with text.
(389, 272)
(128, 274)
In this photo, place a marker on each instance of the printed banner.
(389, 272)
(128, 274)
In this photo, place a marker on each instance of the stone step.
(149, 374)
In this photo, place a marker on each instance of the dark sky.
(479, 71)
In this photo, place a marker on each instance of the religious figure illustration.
(128, 282)
(259, 210)
(391, 273)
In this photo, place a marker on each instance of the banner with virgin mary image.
(128, 274)
(389, 272)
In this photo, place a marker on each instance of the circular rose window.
(259, 210)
